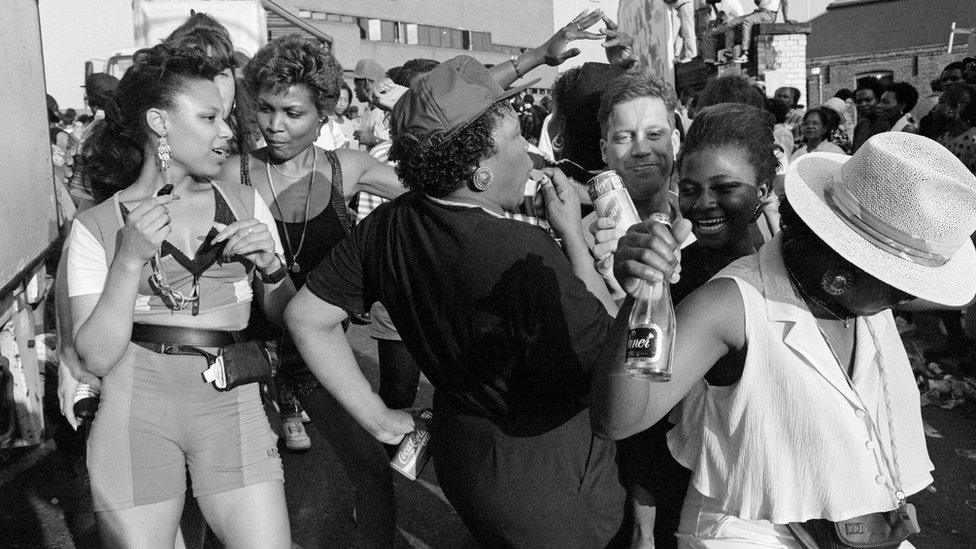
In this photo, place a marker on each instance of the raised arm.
(553, 52)
(709, 325)
(362, 172)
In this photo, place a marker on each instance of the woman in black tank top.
(307, 189)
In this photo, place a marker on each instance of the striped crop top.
(93, 244)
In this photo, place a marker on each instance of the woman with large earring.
(163, 270)
(815, 439)
(504, 323)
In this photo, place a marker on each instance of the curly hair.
(734, 125)
(962, 96)
(438, 170)
(113, 154)
(633, 85)
(905, 94)
(296, 60)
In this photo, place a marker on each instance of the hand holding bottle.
(650, 251)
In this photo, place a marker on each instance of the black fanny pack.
(236, 363)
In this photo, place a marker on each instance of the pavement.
(38, 489)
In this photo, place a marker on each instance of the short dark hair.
(778, 109)
(793, 91)
(634, 85)
(845, 94)
(954, 66)
(296, 60)
(905, 93)
(731, 89)
(870, 83)
(963, 95)
(734, 125)
(206, 42)
(829, 118)
(439, 170)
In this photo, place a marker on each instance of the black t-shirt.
(489, 307)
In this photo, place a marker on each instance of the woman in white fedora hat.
(820, 440)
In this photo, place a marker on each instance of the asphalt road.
(36, 490)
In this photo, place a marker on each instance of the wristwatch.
(275, 276)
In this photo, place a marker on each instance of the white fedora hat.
(902, 209)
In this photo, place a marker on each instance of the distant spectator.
(952, 74)
(731, 89)
(969, 70)
(782, 133)
(896, 106)
(683, 28)
(531, 117)
(840, 137)
(867, 97)
(765, 12)
(818, 126)
(794, 115)
(958, 107)
(374, 127)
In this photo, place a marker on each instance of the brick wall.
(781, 57)
(917, 66)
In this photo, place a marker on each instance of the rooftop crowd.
(243, 208)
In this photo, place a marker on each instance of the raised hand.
(554, 50)
(650, 251)
(248, 238)
(145, 229)
(619, 45)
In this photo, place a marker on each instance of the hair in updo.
(295, 60)
(438, 170)
(734, 125)
(113, 154)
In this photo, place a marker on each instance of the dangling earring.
(837, 282)
(162, 152)
(483, 178)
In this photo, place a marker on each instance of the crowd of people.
(223, 202)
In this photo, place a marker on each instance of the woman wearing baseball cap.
(821, 436)
(505, 327)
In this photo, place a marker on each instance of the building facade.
(901, 40)
(394, 31)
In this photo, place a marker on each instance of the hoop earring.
(483, 179)
(837, 282)
(163, 152)
(758, 213)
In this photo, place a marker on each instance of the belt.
(176, 340)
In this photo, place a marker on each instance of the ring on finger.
(577, 25)
(604, 262)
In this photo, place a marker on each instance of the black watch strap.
(275, 276)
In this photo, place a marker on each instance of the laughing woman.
(815, 436)
(149, 276)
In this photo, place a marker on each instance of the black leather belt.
(176, 340)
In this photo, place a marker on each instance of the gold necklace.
(294, 266)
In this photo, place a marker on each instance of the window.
(388, 31)
(465, 40)
(879, 74)
(412, 33)
(481, 41)
(375, 30)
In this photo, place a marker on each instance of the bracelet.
(275, 276)
(515, 65)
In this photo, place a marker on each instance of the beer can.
(617, 205)
(414, 450)
(603, 183)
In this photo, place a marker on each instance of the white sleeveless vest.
(791, 441)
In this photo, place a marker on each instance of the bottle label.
(644, 342)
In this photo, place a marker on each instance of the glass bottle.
(650, 336)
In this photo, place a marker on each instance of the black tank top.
(324, 231)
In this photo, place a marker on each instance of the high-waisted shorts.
(158, 419)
